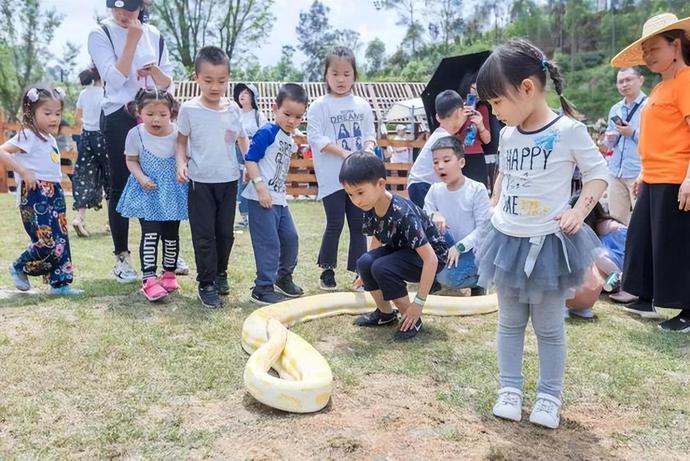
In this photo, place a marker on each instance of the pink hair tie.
(59, 92)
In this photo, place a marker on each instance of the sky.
(360, 15)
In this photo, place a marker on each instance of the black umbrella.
(453, 73)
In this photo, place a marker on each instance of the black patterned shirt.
(405, 225)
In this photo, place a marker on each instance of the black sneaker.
(286, 286)
(209, 297)
(265, 296)
(678, 324)
(643, 308)
(327, 280)
(435, 287)
(222, 284)
(477, 291)
(409, 334)
(376, 319)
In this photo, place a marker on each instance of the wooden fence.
(381, 96)
(301, 179)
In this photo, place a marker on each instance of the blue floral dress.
(167, 202)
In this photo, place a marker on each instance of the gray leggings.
(549, 326)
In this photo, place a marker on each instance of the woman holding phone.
(476, 132)
(129, 54)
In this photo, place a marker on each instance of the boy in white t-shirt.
(450, 116)
(460, 208)
(209, 125)
(274, 236)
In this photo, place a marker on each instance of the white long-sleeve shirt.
(121, 89)
(537, 169)
(347, 122)
(466, 209)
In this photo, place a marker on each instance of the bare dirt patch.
(396, 417)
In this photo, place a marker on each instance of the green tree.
(185, 24)
(316, 38)
(375, 55)
(446, 21)
(64, 69)
(28, 29)
(528, 20)
(409, 16)
(285, 71)
(235, 25)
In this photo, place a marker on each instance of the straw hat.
(632, 54)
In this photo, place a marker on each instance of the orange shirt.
(664, 131)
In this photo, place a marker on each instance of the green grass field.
(109, 375)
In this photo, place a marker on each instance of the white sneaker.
(123, 270)
(182, 266)
(509, 404)
(546, 411)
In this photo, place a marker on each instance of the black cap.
(129, 5)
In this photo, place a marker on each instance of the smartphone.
(617, 120)
(471, 100)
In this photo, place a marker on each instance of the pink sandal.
(153, 290)
(169, 281)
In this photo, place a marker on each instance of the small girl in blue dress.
(152, 192)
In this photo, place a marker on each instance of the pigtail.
(558, 83)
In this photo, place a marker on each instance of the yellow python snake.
(306, 381)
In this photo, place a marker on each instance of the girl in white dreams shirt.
(339, 124)
(536, 249)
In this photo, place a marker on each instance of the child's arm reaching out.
(429, 266)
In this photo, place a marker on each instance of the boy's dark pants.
(211, 219)
(275, 242)
(338, 206)
(387, 269)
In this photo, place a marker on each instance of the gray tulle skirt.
(530, 268)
